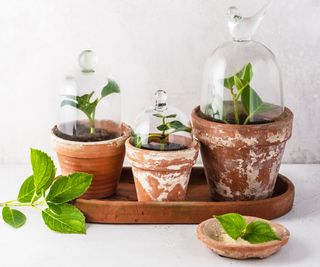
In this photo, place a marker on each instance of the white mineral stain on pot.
(166, 183)
(249, 141)
(278, 137)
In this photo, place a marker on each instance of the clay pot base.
(123, 207)
(211, 233)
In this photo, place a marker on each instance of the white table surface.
(153, 245)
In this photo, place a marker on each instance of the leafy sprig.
(49, 194)
(255, 232)
(166, 128)
(86, 105)
(240, 89)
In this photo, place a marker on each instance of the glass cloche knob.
(161, 100)
(87, 61)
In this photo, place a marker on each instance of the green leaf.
(179, 126)
(259, 232)
(43, 170)
(158, 115)
(13, 217)
(137, 140)
(67, 188)
(27, 191)
(163, 127)
(234, 224)
(252, 103)
(54, 208)
(69, 221)
(68, 103)
(246, 73)
(110, 88)
(171, 116)
(228, 82)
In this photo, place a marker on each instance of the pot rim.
(285, 117)
(126, 132)
(194, 145)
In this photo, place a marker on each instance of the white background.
(146, 45)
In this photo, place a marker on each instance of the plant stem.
(19, 204)
(235, 109)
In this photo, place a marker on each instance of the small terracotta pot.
(161, 175)
(211, 234)
(103, 159)
(242, 162)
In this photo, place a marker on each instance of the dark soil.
(164, 147)
(81, 133)
(242, 118)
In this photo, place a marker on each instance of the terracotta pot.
(242, 162)
(103, 159)
(211, 233)
(161, 175)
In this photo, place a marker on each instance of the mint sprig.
(255, 232)
(49, 194)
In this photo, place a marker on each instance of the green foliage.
(239, 87)
(259, 232)
(13, 217)
(88, 106)
(255, 232)
(166, 128)
(234, 224)
(67, 220)
(57, 214)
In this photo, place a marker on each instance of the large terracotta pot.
(161, 175)
(242, 162)
(103, 159)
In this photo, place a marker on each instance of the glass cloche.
(162, 127)
(242, 82)
(89, 104)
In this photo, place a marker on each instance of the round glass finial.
(161, 100)
(87, 61)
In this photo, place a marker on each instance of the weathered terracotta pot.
(215, 238)
(242, 162)
(161, 175)
(103, 159)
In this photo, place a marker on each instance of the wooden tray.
(124, 207)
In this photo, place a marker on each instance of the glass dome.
(242, 82)
(162, 127)
(89, 104)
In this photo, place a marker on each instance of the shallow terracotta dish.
(211, 233)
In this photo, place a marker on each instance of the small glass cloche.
(162, 127)
(242, 82)
(89, 104)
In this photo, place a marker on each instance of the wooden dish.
(210, 233)
(123, 207)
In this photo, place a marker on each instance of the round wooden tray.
(124, 207)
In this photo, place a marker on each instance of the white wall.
(145, 45)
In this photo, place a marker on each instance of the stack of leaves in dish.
(255, 232)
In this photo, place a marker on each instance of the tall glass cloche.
(162, 127)
(242, 82)
(89, 106)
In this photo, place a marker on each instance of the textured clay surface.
(161, 175)
(103, 159)
(242, 161)
(211, 234)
